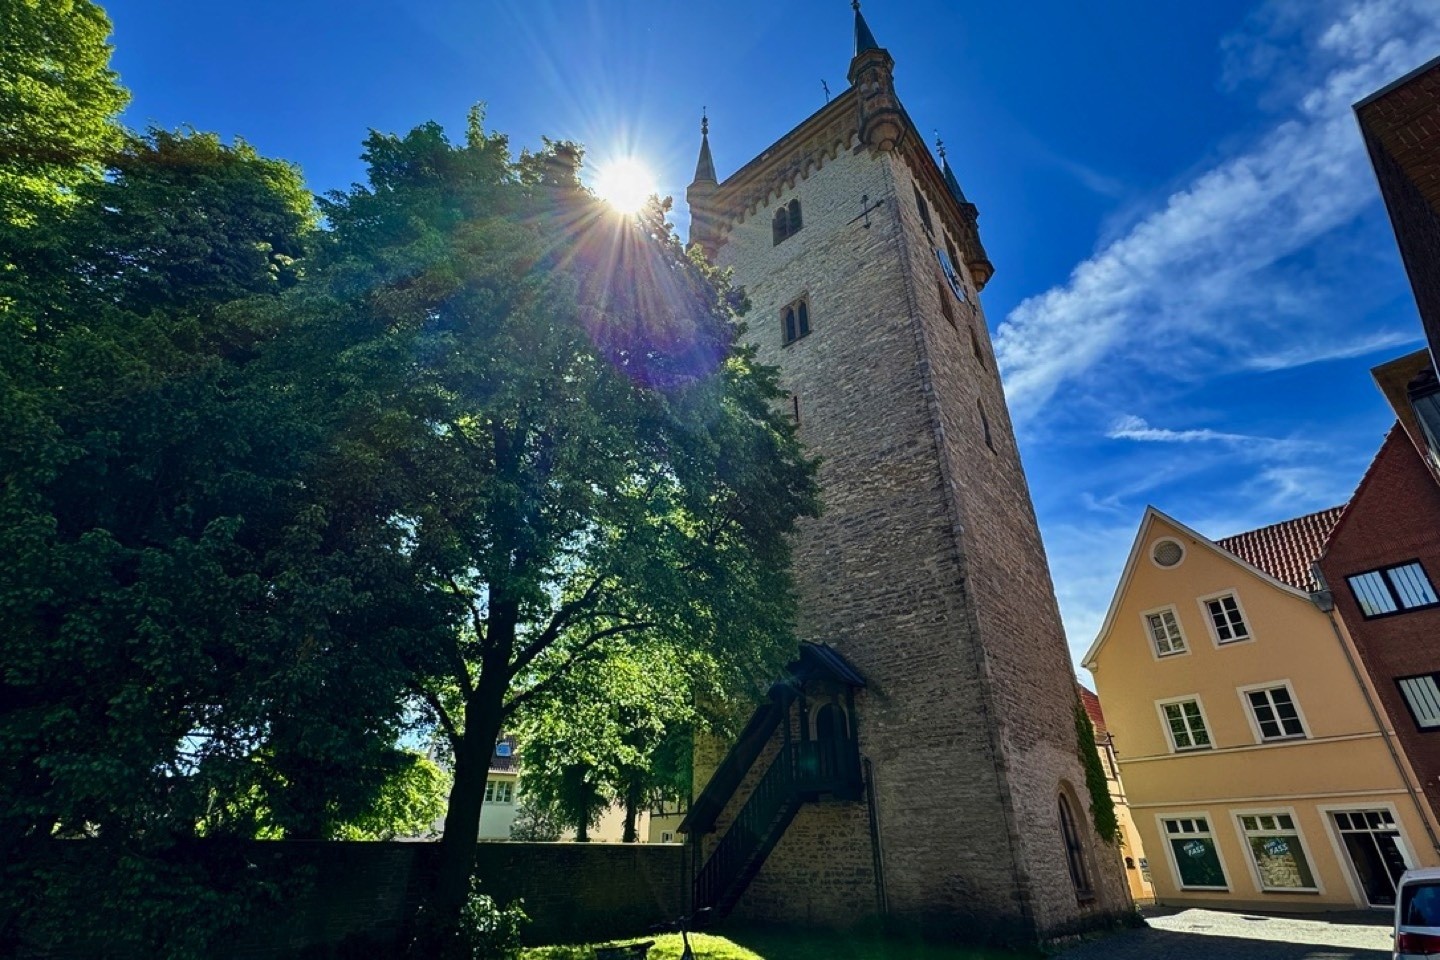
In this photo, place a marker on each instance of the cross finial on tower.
(939, 146)
(855, 5)
(704, 121)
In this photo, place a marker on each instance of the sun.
(625, 184)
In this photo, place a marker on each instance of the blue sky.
(1194, 268)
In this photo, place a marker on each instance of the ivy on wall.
(1102, 807)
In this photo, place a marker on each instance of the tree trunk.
(483, 716)
(632, 810)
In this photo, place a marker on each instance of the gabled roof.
(1091, 702)
(1286, 550)
(1137, 552)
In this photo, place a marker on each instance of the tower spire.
(705, 166)
(864, 39)
(950, 180)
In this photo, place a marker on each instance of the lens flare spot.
(625, 184)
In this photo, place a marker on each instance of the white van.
(1417, 914)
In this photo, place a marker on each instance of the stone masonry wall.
(1022, 651)
(878, 575)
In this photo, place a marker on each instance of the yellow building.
(1132, 849)
(1258, 769)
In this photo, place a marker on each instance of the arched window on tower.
(985, 426)
(795, 320)
(975, 346)
(786, 222)
(945, 307)
(924, 209)
(1074, 852)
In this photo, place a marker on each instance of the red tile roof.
(1286, 550)
(1091, 703)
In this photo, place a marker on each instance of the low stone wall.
(351, 899)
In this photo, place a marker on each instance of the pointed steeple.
(701, 191)
(705, 166)
(872, 73)
(864, 39)
(950, 180)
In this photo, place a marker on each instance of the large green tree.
(189, 617)
(553, 401)
(58, 104)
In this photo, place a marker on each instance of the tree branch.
(446, 723)
(577, 656)
(557, 623)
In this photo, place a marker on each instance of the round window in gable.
(1167, 553)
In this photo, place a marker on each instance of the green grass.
(784, 946)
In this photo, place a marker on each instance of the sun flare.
(625, 184)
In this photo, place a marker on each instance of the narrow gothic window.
(790, 333)
(795, 405)
(795, 320)
(924, 209)
(1074, 853)
(786, 223)
(802, 312)
(985, 425)
(954, 257)
(945, 307)
(975, 346)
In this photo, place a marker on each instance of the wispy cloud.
(1131, 427)
(1304, 353)
(1205, 275)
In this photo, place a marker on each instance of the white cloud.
(1131, 427)
(1205, 275)
(1306, 352)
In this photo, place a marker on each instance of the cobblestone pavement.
(1216, 935)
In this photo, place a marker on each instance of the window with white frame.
(1196, 856)
(1226, 620)
(499, 791)
(1164, 628)
(1393, 589)
(1185, 725)
(1422, 696)
(1274, 711)
(1274, 846)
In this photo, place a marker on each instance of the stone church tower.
(921, 762)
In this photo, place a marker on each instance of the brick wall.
(1402, 133)
(1392, 519)
(367, 891)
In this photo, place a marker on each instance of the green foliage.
(58, 104)
(612, 731)
(1102, 806)
(485, 931)
(411, 799)
(535, 822)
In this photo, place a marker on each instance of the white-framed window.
(1185, 724)
(1194, 852)
(667, 837)
(1393, 589)
(1163, 628)
(1225, 617)
(499, 791)
(1276, 851)
(1422, 696)
(1274, 714)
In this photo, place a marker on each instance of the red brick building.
(1382, 564)
(1401, 126)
